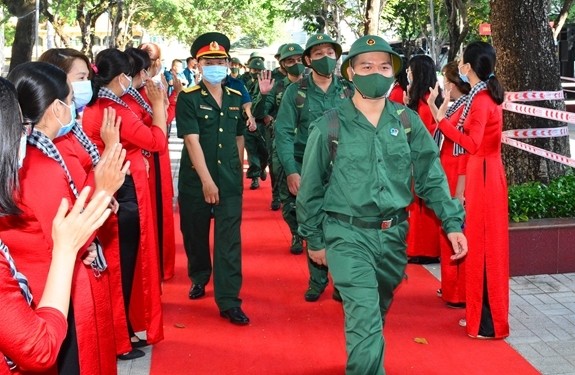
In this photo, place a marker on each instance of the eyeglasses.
(27, 128)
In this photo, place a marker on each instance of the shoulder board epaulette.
(190, 89)
(234, 91)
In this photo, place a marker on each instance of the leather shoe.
(312, 294)
(255, 184)
(139, 344)
(276, 205)
(236, 316)
(197, 291)
(263, 174)
(135, 353)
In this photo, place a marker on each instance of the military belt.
(382, 224)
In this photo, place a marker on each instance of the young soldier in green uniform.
(235, 66)
(352, 199)
(279, 72)
(255, 138)
(266, 105)
(210, 179)
(301, 104)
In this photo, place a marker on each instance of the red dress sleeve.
(474, 125)
(32, 339)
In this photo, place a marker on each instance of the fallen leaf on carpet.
(179, 325)
(420, 340)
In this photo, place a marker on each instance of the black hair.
(451, 72)
(110, 63)
(38, 84)
(481, 57)
(423, 77)
(10, 134)
(401, 75)
(141, 60)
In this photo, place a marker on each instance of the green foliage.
(478, 12)
(185, 20)
(535, 200)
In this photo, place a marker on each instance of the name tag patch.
(234, 108)
(207, 108)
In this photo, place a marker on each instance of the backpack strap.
(332, 136)
(301, 92)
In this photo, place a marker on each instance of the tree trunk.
(458, 26)
(561, 17)
(25, 30)
(528, 61)
(87, 22)
(372, 12)
(2, 41)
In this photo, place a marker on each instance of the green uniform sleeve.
(285, 125)
(310, 197)
(430, 181)
(186, 115)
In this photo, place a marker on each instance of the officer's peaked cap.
(212, 45)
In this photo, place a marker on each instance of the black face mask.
(254, 75)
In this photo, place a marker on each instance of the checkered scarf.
(22, 282)
(47, 147)
(438, 135)
(457, 149)
(108, 94)
(90, 147)
(140, 99)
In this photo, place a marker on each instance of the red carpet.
(290, 336)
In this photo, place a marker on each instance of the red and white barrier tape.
(547, 113)
(527, 96)
(539, 151)
(537, 133)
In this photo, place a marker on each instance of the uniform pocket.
(351, 162)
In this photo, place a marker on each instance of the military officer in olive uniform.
(266, 105)
(210, 178)
(352, 203)
(301, 104)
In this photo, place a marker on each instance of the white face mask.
(22, 150)
(82, 93)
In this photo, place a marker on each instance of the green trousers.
(195, 220)
(366, 266)
(317, 274)
(257, 151)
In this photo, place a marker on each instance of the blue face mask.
(463, 77)
(82, 93)
(65, 129)
(214, 74)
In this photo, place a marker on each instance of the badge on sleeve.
(394, 132)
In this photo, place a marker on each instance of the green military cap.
(279, 52)
(317, 39)
(291, 49)
(370, 43)
(235, 60)
(256, 63)
(256, 55)
(212, 45)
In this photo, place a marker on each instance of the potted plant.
(542, 227)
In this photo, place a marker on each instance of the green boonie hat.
(291, 49)
(279, 52)
(370, 43)
(256, 55)
(212, 45)
(256, 63)
(316, 39)
(236, 61)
